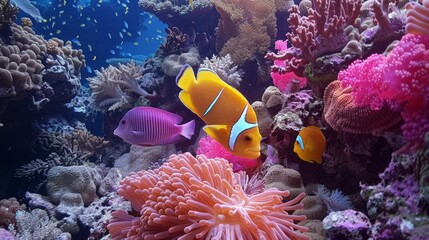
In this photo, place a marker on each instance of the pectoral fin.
(138, 133)
(217, 132)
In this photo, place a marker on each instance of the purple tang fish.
(148, 126)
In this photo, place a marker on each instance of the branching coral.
(322, 32)
(207, 200)
(176, 42)
(66, 149)
(224, 69)
(116, 87)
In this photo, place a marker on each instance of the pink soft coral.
(201, 198)
(212, 149)
(282, 80)
(400, 79)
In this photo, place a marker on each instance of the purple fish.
(148, 126)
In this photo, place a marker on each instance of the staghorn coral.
(114, 88)
(245, 23)
(224, 69)
(344, 115)
(208, 201)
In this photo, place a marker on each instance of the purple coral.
(6, 235)
(347, 224)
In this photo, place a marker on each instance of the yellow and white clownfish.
(310, 144)
(230, 118)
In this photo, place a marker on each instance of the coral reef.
(394, 202)
(81, 180)
(343, 114)
(37, 225)
(115, 88)
(284, 179)
(8, 209)
(200, 191)
(143, 158)
(172, 64)
(245, 23)
(7, 13)
(397, 80)
(63, 148)
(224, 69)
(347, 224)
(333, 35)
(176, 42)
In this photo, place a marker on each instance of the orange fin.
(205, 74)
(186, 77)
(217, 132)
(185, 98)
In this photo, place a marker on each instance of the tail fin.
(188, 129)
(186, 77)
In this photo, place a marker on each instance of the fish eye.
(247, 138)
(123, 122)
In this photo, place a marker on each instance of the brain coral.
(198, 198)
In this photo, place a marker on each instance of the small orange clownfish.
(230, 118)
(310, 144)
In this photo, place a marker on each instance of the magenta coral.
(282, 80)
(399, 79)
(212, 149)
(199, 198)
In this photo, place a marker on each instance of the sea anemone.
(199, 198)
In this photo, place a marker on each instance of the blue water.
(102, 29)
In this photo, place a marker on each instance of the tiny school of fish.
(230, 120)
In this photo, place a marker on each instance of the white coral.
(112, 87)
(223, 67)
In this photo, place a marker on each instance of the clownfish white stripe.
(213, 102)
(240, 126)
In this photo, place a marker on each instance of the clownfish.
(310, 144)
(230, 119)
